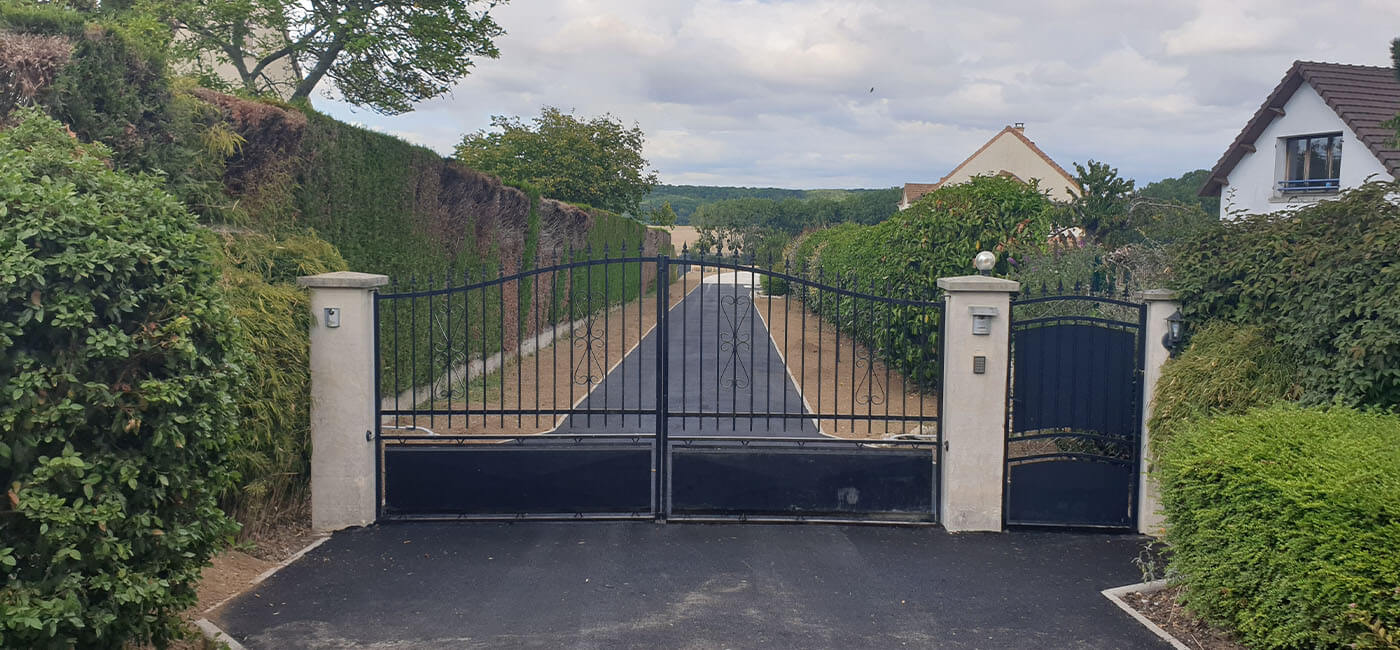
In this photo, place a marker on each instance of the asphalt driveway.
(645, 585)
(722, 360)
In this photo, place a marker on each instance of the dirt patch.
(837, 376)
(1164, 608)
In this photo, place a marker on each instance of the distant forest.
(862, 204)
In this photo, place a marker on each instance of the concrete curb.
(1116, 596)
(212, 631)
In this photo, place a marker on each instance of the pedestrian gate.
(1074, 418)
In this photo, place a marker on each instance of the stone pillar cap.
(983, 283)
(1155, 295)
(343, 280)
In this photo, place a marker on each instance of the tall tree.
(1102, 207)
(598, 161)
(386, 55)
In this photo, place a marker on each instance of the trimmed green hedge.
(1284, 523)
(1227, 369)
(1322, 280)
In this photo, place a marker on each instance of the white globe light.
(984, 261)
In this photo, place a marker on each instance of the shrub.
(1321, 279)
(1284, 522)
(1228, 369)
(115, 398)
(258, 275)
(906, 254)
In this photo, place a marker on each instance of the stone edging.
(212, 631)
(1116, 596)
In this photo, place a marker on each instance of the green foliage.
(1320, 279)
(114, 90)
(793, 215)
(661, 216)
(119, 362)
(258, 274)
(1284, 521)
(1228, 369)
(386, 55)
(596, 162)
(1100, 210)
(906, 254)
(1183, 189)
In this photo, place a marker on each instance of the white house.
(1009, 153)
(1318, 133)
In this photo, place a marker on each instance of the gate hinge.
(369, 435)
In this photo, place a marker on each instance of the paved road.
(722, 360)
(643, 585)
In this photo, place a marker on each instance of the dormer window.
(1312, 164)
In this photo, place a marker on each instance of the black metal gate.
(643, 386)
(1074, 421)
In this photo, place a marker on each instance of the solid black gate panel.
(1074, 376)
(877, 484)
(1071, 491)
(518, 480)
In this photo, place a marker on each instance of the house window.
(1313, 164)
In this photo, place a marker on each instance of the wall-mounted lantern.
(1172, 339)
(984, 262)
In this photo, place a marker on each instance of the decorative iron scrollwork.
(590, 368)
(735, 340)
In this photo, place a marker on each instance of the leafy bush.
(1228, 369)
(906, 254)
(1321, 279)
(1285, 521)
(118, 364)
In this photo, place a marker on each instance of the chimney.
(1020, 126)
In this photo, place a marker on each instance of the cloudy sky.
(778, 93)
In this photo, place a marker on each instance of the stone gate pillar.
(342, 398)
(976, 358)
(1161, 303)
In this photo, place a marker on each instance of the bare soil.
(835, 376)
(1164, 608)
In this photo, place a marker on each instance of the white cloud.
(778, 92)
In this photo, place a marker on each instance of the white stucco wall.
(1250, 185)
(1007, 152)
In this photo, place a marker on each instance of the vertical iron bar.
(607, 331)
(855, 318)
(821, 317)
(485, 333)
(768, 346)
(641, 294)
(887, 325)
(588, 337)
(432, 377)
(466, 349)
(662, 412)
(753, 338)
(520, 319)
(535, 304)
(447, 297)
(413, 346)
(719, 345)
(394, 288)
(378, 417)
(501, 329)
(685, 327)
(571, 291)
(787, 354)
